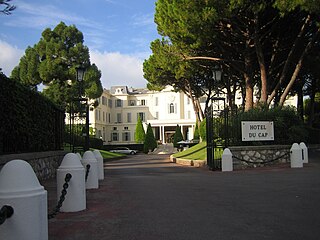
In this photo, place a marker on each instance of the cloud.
(9, 57)
(119, 69)
(143, 20)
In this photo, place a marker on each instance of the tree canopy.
(8, 8)
(53, 62)
(260, 46)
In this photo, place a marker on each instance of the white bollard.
(20, 189)
(296, 156)
(92, 180)
(79, 155)
(75, 200)
(227, 163)
(305, 155)
(99, 158)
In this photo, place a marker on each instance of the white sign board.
(257, 131)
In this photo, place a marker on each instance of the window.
(129, 117)
(126, 128)
(156, 101)
(143, 102)
(188, 100)
(142, 116)
(119, 118)
(110, 103)
(115, 128)
(104, 100)
(115, 136)
(126, 136)
(132, 102)
(118, 103)
(157, 115)
(171, 108)
(103, 116)
(109, 116)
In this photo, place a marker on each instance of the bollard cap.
(295, 146)
(88, 156)
(303, 145)
(97, 154)
(71, 161)
(18, 178)
(227, 152)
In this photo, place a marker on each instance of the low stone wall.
(258, 156)
(44, 164)
(251, 156)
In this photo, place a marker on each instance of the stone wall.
(44, 164)
(258, 156)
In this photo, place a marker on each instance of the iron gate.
(217, 132)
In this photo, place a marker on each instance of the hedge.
(29, 122)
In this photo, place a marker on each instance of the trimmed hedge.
(29, 122)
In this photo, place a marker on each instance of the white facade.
(115, 118)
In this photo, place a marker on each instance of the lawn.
(198, 152)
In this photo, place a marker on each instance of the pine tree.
(150, 142)
(196, 134)
(140, 134)
(177, 136)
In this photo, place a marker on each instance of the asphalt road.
(145, 197)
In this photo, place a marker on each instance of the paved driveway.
(147, 197)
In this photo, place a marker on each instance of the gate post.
(20, 189)
(210, 146)
(304, 149)
(227, 164)
(99, 158)
(89, 159)
(75, 200)
(296, 156)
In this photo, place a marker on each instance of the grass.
(109, 155)
(198, 152)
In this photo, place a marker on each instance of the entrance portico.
(164, 130)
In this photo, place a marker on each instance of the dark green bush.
(28, 121)
(177, 136)
(150, 142)
(288, 127)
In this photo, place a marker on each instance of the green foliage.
(150, 142)
(53, 62)
(202, 130)
(177, 136)
(140, 135)
(196, 134)
(288, 127)
(29, 121)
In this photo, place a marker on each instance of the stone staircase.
(166, 148)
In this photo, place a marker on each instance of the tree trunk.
(262, 65)
(298, 68)
(289, 60)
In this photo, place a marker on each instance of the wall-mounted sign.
(257, 131)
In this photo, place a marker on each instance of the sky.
(118, 33)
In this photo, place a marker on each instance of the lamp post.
(216, 75)
(80, 77)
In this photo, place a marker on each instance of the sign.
(257, 131)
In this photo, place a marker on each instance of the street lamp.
(80, 77)
(216, 76)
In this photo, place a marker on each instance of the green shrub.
(177, 136)
(140, 135)
(196, 134)
(150, 142)
(29, 121)
(288, 127)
